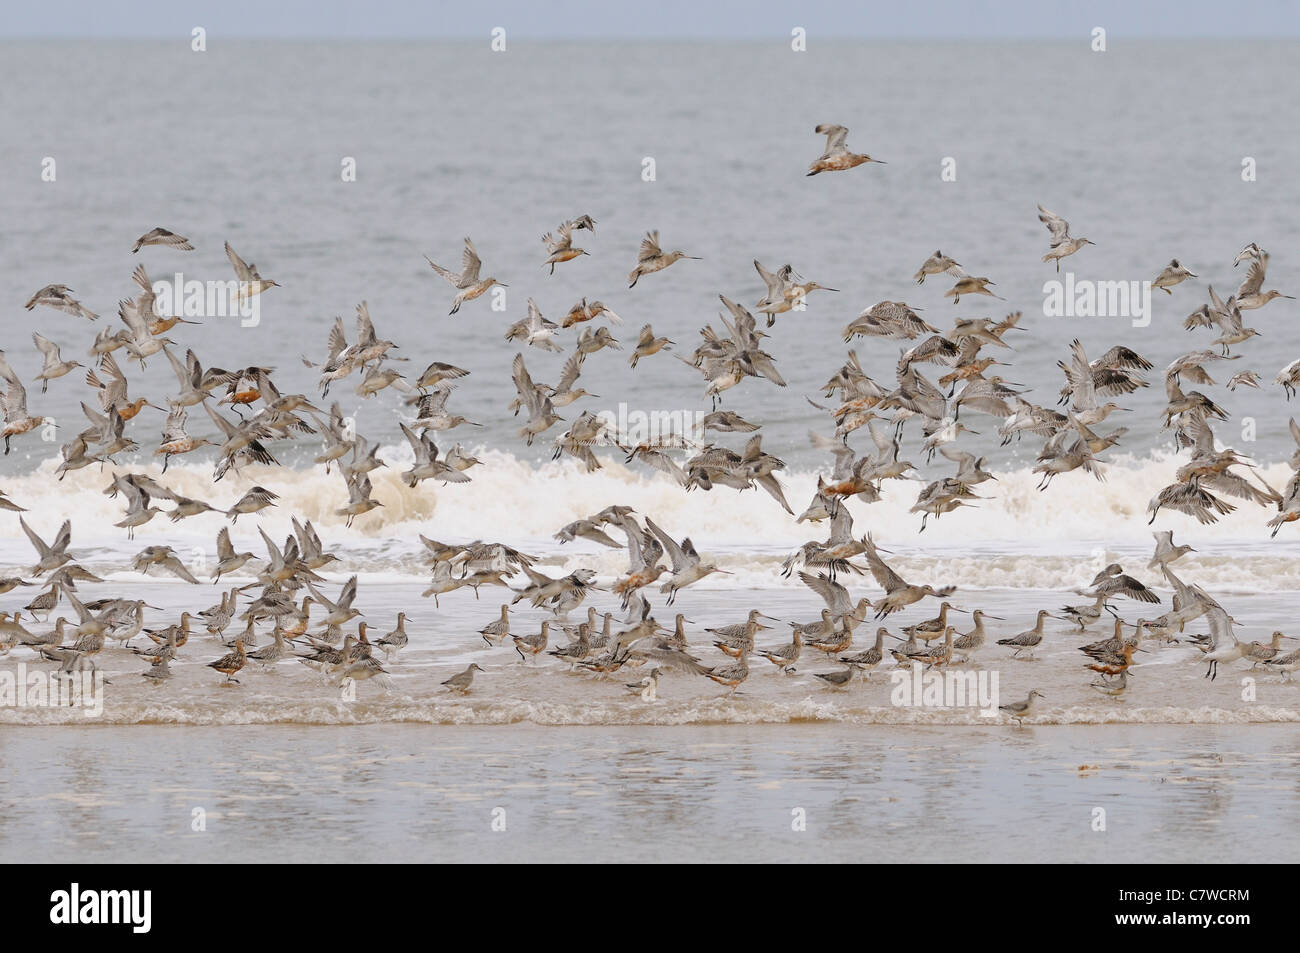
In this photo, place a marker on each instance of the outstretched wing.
(242, 270)
(470, 263)
(1057, 226)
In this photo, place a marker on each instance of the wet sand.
(691, 793)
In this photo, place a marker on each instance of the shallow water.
(1167, 683)
(703, 793)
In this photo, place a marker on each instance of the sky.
(698, 19)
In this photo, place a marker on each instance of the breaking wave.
(1017, 537)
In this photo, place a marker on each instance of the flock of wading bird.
(310, 627)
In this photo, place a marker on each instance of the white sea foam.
(511, 499)
(1016, 538)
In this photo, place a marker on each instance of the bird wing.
(15, 398)
(350, 587)
(649, 247)
(132, 316)
(450, 276)
(365, 327)
(836, 137)
(885, 577)
(224, 548)
(676, 553)
(242, 270)
(63, 537)
(175, 565)
(1218, 309)
(224, 425)
(523, 381)
(417, 445)
(835, 595)
(569, 375)
(774, 284)
(1057, 226)
(959, 457)
(42, 550)
(1221, 633)
(1254, 280)
(1083, 394)
(46, 347)
(470, 263)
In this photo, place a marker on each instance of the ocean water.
(1167, 681)
(1139, 149)
(774, 794)
(244, 143)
